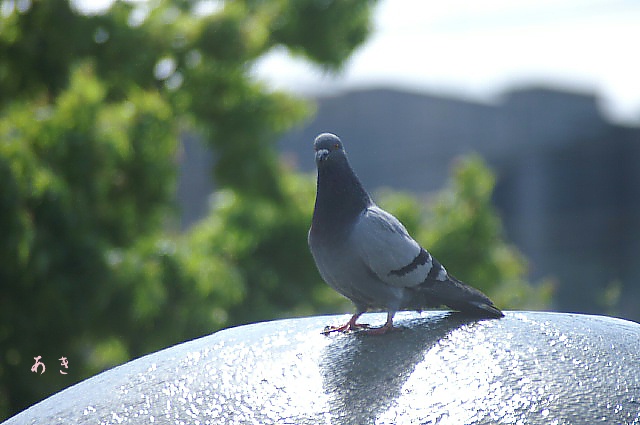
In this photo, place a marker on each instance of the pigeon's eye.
(336, 146)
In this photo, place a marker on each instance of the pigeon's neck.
(340, 199)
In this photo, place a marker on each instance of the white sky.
(479, 49)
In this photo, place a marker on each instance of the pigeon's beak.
(321, 154)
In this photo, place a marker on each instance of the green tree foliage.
(91, 109)
(266, 241)
(78, 178)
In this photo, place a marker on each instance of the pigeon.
(367, 255)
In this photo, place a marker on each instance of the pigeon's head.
(326, 146)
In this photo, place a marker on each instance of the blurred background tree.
(91, 112)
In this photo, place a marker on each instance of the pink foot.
(387, 327)
(351, 325)
(345, 328)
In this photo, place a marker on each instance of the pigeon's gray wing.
(386, 248)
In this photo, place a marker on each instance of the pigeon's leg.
(388, 326)
(349, 326)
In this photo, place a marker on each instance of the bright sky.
(480, 49)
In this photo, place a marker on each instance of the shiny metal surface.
(438, 368)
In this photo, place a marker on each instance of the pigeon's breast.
(343, 270)
(335, 265)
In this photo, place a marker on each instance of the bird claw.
(379, 330)
(351, 325)
(359, 328)
(347, 327)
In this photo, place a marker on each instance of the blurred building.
(568, 181)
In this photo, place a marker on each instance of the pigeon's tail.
(477, 308)
(459, 296)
